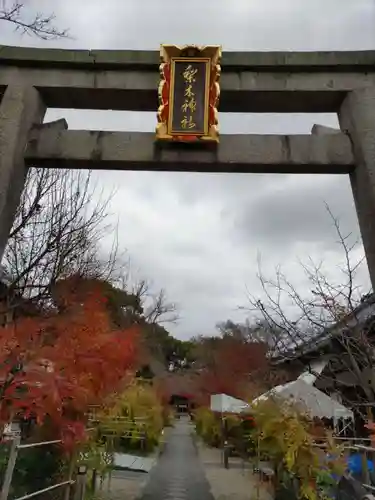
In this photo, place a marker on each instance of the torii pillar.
(20, 108)
(357, 118)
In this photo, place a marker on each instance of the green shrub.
(284, 433)
(35, 469)
(134, 419)
(208, 426)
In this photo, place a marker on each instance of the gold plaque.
(189, 93)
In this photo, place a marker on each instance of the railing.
(133, 428)
(16, 446)
(365, 452)
(130, 428)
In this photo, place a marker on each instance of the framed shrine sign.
(189, 93)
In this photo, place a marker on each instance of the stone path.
(179, 474)
(236, 483)
(124, 485)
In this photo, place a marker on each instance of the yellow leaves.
(207, 425)
(290, 457)
(308, 491)
(134, 413)
(285, 435)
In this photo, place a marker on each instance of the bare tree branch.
(157, 308)
(327, 312)
(40, 25)
(161, 310)
(57, 230)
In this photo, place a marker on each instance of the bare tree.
(161, 310)
(38, 24)
(328, 312)
(141, 290)
(58, 226)
(156, 306)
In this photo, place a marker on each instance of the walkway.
(179, 474)
(236, 483)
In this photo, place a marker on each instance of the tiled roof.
(360, 316)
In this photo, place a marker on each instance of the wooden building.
(341, 361)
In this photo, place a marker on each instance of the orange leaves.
(60, 363)
(230, 365)
(371, 427)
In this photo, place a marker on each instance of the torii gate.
(281, 82)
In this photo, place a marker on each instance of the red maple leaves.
(231, 366)
(56, 365)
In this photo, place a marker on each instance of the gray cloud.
(293, 211)
(199, 235)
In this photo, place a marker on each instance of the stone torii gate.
(343, 82)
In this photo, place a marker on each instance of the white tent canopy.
(223, 403)
(312, 399)
(316, 368)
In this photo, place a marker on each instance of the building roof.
(360, 316)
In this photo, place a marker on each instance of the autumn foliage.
(230, 366)
(226, 364)
(57, 364)
(370, 426)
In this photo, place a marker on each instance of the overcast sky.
(199, 235)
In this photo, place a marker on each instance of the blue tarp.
(354, 464)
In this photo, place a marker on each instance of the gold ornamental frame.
(212, 56)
